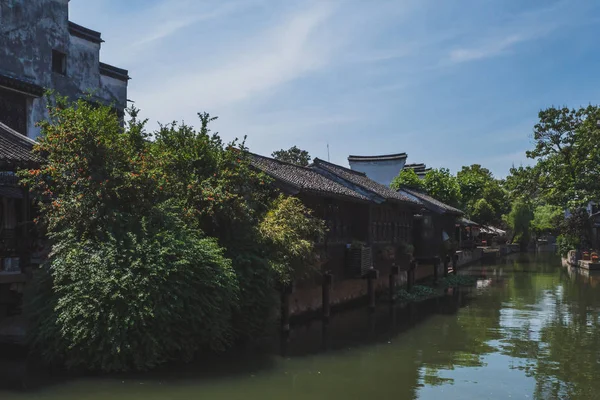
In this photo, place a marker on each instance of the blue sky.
(449, 82)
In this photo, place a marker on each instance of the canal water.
(530, 330)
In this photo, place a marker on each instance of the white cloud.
(492, 48)
(255, 67)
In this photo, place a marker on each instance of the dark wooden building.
(435, 226)
(17, 234)
(370, 227)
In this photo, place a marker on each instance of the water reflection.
(530, 329)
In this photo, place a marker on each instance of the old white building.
(41, 49)
(382, 169)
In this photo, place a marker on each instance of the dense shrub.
(158, 247)
(566, 243)
(290, 232)
(135, 301)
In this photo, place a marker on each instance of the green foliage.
(577, 228)
(417, 293)
(161, 248)
(566, 243)
(130, 303)
(476, 184)
(293, 155)
(525, 183)
(519, 221)
(547, 219)
(458, 280)
(407, 178)
(567, 152)
(443, 186)
(290, 232)
(483, 212)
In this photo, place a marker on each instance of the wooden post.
(327, 281)
(393, 278)
(285, 308)
(24, 239)
(455, 264)
(373, 274)
(446, 265)
(410, 276)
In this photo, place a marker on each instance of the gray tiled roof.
(15, 149)
(360, 179)
(425, 198)
(303, 178)
(387, 157)
(420, 169)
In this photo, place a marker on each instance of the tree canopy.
(407, 178)
(477, 183)
(567, 155)
(161, 249)
(443, 186)
(292, 155)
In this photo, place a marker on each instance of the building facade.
(40, 49)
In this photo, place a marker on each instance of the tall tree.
(567, 151)
(293, 155)
(407, 178)
(519, 221)
(477, 183)
(547, 219)
(442, 185)
(483, 212)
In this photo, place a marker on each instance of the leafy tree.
(525, 183)
(567, 152)
(158, 250)
(293, 155)
(125, 269)
(483, 212)
(291, 236)
(519, 221)
(134, 301)
(478, 183)
(407, 178)
(443, 186)
(547, 219)
(577, 228)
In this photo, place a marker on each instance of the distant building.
(420, 169)
(41, 49)
(381, 169)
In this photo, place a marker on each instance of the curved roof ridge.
(383, 157)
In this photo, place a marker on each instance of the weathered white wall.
(115, 89)
(380, 171)
(29, 31)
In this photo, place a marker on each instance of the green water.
(530, 330)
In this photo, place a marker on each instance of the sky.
(451, 83)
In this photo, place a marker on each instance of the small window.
(59, 62)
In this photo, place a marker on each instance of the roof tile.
(361, 179)
(302, 178)
(15, 149)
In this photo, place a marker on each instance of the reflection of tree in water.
(465, 339)
(554, 330)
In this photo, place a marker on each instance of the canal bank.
(519, 333)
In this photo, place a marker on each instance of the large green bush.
(135, 301)
(158, 251)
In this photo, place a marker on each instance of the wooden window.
(59, 62)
